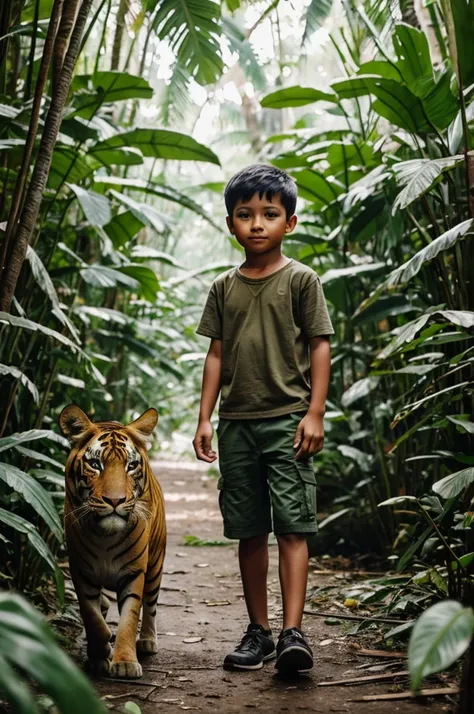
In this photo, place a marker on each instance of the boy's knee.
(289, 539)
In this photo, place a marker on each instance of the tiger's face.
(106, 473)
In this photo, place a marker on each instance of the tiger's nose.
(114, 501)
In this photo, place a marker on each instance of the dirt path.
(202, 616)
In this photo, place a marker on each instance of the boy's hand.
(309, 437)
(203, 442)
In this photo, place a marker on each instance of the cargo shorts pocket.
(308, 484)
(220, 488)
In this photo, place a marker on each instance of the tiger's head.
(107, 472)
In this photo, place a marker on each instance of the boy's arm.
(310, 433)
(211, 384)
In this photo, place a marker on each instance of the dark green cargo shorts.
(262, 487)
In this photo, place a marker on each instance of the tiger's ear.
(144, 425)
(74, 423)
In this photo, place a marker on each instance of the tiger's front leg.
(129, 597)
(97, 631)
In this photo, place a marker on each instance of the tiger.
(114, 520)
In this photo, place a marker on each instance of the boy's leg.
(253, 560)
(293, 496)
(293, 570)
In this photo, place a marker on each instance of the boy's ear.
(230, 225)
(291, 223)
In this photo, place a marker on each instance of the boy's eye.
(272, 215)
(242, 215)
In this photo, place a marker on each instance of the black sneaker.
(255, 648)
(293, 652)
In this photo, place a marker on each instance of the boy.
(270, 359)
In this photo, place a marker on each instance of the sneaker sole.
(231, 665)
(294, 659)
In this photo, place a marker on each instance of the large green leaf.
(25, 324)
(419, 176)
(145, 277)
(414, 61)
(161, 144)
(123, 227)
(315, 187)
(34, 494)
(23, 526)
(95, 206)
(8, 442)
(14, 691)
(7, 370)
(41, 276)
(359, 389)
(395, 102)
(248, 61)
(28, 644)
(412, 267)
(122, 156)
(405, 334)
(168, 193)
(71, 164)
(295, 97)
(316, 12)
(460, 41)
(102, 276)
(146, 252)
(192, 29)
(454, 484)
(143, 212)
(441, 635)
(110, 87)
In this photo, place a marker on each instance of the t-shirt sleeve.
(314, 312)
(211, 319)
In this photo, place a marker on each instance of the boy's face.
(260, 224)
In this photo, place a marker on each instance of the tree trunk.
(119, 28)
(32, 130)
(38, 181)
(408, 11)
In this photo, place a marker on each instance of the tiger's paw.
(125, 670)
(98, 667)
(147, 646)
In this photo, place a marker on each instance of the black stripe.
(152, 603)
(111, 547)
(152, 614)
(125, 580)
(154, 577)
(94, 586)
(154, 591)
(88, 550)
(155, 563)
(135, 558)
(129, 547)
(93, 596)
(122, 600)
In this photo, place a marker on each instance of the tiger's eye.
(133, 465)
(95, 464)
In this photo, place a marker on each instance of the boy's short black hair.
(266, 181)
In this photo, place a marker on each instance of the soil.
(202, 616)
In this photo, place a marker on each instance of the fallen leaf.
(181, 555)
(217, 603)
(351, 603)
(192, 640)
(323, 643)
(202, 565)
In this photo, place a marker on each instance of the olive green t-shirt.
(265, 325)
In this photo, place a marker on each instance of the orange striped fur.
(116, 535)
